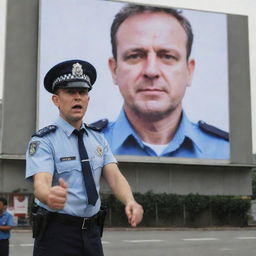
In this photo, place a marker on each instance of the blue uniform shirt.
(6, 220)
(190, 141)
(57, 153)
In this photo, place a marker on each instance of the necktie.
(90, 187)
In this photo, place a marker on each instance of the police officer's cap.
(70, 74)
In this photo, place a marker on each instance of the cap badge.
(77, 70)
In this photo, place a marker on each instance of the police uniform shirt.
(190, 141)
(57, 153)
(6, 219)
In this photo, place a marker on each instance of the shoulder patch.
(213, 130)
(33, 147)
(42, 132)
(98, 125)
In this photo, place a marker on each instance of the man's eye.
(83, 92)
(70, 91)
(134, 56)
(168, 56)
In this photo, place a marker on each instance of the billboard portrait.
(162, 77)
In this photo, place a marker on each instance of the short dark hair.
(56, 90)
(3, 200)
(132, 9)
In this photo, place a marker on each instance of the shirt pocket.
(70, 171)
(96, 163)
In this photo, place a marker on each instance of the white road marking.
(246, 237)
(26, 245)
(201, 239)
(22, 245)
(143, 241)
(226, 249)
(105, 242)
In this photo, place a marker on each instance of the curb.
(28, 229)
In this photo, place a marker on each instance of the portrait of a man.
(150, 65)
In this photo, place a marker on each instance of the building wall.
(2, 42)
(158, 178)
(12, 173)
(185, 179)
(20, 81)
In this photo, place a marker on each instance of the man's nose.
(77, 95)
(151, 68)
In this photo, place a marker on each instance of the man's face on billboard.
(151, 69)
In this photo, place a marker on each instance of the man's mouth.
(77, 106)
(151, 90)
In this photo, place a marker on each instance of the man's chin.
(75, 118)
(152, 113)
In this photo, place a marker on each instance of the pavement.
(214, 241)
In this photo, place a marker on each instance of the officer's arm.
(121, 189)
(53, 196)
(5, 228)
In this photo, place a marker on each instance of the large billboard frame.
(233, 21)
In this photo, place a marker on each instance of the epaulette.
(42, 132)
(98, 126)
(213, 130)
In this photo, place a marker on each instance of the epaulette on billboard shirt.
(213, 130)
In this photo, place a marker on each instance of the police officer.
(152, 67)
(6, 224)
(65, 160)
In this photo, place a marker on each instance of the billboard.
(80, 29)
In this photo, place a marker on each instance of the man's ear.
(190, 68)
(56, 100)
(113, 66)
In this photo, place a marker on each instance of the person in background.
(66, 160)
(152, 67)
(6, 224)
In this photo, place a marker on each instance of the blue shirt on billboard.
(191, 140)
(6, 219)
(57, 153)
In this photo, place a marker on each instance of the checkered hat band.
(70, 77)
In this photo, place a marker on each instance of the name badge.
(67, 158)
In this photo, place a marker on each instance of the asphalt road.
(189, 242)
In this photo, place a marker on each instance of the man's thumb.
(62, 183)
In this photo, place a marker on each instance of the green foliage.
(195, 204)
(226, 207)
(182, 210)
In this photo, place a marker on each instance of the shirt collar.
(186, 129)
(122, 124)
(67, 127)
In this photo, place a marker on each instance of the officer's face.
(2, 208)
(72, 103)
(151, 70)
